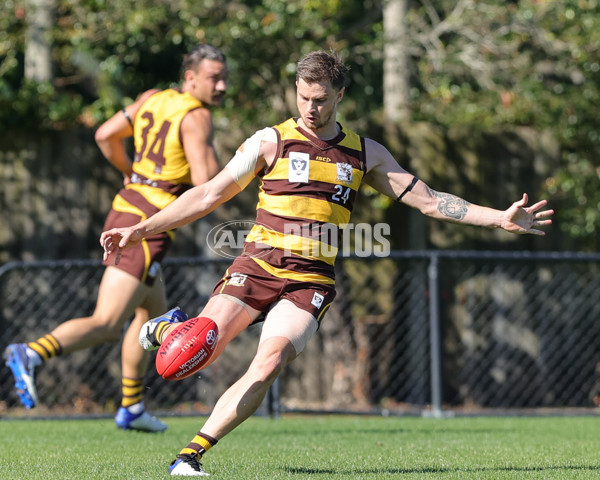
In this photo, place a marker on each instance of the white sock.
(136, 408)
(34, 358)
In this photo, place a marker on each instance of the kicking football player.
(173, 137)
(310, 170)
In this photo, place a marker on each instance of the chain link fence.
(417, 332)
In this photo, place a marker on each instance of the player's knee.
(111, 334)
(108, 331)
(265, 370)
(268, 364)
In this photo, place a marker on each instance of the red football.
(187, 348)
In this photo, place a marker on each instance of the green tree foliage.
(488, 63)
(528, 62)
(106, 52)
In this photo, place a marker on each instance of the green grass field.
(312, 447)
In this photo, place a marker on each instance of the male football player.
(172, 131)
(310, 169)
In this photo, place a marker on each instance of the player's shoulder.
(198, 116)
(139, 102)
(198, 123)
(373, 148)
(267, 134)
(376, 154)
(147, 94)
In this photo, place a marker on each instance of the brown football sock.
(199, 445)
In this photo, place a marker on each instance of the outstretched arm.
(255, 153)
(384, 174)
(192, 205)
(518, 218)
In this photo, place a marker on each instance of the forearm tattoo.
(450, 205)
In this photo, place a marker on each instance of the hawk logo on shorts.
(237, 279)
(317, 300)
(154, 269)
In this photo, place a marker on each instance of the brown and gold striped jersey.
(305, 199)
(161, 170)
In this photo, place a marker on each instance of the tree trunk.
(396, 82)
(38, 49)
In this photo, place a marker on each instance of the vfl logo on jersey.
(344, 172)
(237, 279)
(298, 167)
(317, 300)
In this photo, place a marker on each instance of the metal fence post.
(273, 400)
(435, 344)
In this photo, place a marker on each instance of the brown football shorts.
(142, 261)
(251, 284)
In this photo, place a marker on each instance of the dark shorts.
(143, 261)
(251, 284)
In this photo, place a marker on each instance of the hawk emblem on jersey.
(344, 172)
(299, 166)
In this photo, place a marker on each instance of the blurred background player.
(311, 168)
(172, 132)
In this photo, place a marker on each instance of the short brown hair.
(200, 52)
(322, 66)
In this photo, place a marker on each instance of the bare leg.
(118, 296)
(134, 359)
(244, 397)
(230, 317)
(285, 333)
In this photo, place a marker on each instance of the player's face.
(209, 82)
(317, 104)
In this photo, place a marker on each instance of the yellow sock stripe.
(129, 401)
(198, 445)
(131, 382)
(46, 347)
(188, 451)
(160, 329)
(50, 338)
(202, 442)
(132, 391)
(41, 351)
